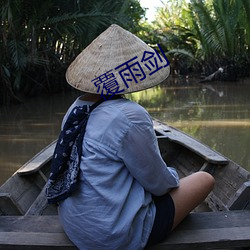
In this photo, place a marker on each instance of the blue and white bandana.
(66, 158)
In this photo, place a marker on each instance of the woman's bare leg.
(192, 191)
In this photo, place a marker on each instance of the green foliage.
(206, 34)
(39, 39)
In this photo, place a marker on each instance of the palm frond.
(17, 54)
(182, 53)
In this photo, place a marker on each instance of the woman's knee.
(206, 179)
(193, 190)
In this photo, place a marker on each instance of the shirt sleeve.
(141, 155)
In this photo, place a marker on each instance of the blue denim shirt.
(121, 167)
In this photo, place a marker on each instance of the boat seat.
(241, 199)
(166, 132)
(41, 207)
(8, 206)
(207, 230)
(39, 160)
(210, 230)
(33, 232)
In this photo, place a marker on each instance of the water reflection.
(218, 115)
(27, 128)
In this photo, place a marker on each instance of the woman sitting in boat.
(112, 187)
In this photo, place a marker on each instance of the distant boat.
(28, 222)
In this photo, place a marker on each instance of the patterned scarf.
(66, 158)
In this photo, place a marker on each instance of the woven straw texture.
(110, 49)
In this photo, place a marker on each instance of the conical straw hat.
(104, 60)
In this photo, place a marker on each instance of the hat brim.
(105, 61)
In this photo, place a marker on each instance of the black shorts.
(164, 219)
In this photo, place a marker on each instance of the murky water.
(217, 114)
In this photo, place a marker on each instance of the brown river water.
(217, 114)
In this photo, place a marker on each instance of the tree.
(207, 34)
(39, 39)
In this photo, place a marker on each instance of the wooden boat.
(28, 222)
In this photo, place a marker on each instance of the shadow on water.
(217, 114)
